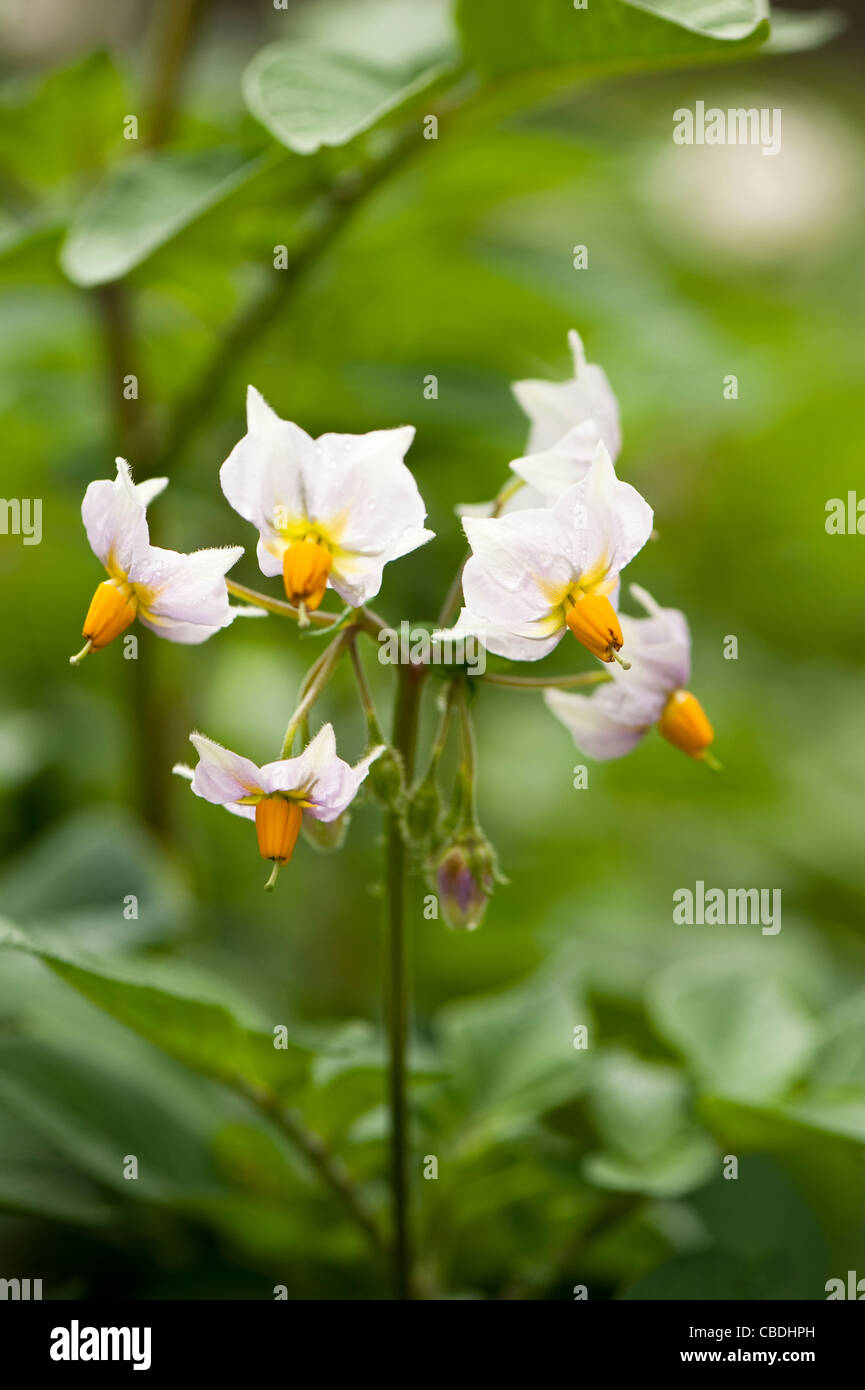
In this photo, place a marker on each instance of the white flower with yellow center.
(534, 574)
(329, 511)
(277, 796)
(613, 720)
(181, 597)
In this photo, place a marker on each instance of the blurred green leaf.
(96, 879)
(641, 1110)
(96, 1118)
(307, 98)
(35, 1178)
(511, 1056)
(143, 204)
(73, 117)
(505, 36)
(745, 1035)
(168, 1005)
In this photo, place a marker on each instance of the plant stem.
(176, 24)
(329, 1168)
(335, 211)
(546, 682)
(364, 620)
(397, 982)
(318, 678)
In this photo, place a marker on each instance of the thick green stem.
(398, 984)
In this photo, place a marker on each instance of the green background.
(138, 1037)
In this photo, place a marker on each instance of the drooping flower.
(585, 401)
(612, 721)
(330, 511)
(317, 783)
(534, 574)
(181, 597)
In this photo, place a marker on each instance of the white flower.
(586, 400)
(533, 574)
(614, 719)
(329, 511)
(181, 597)
(278, 795)
(552, 471)
(568, 421)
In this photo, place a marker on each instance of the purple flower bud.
(464, 877)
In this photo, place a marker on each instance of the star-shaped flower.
(277, 796)
(533, 574)
(330, 511)
(181, 597)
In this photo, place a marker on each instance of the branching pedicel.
(330, 513)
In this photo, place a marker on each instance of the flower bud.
(684, 724)
(423, 811)
(326, 836)
(277, 824)
(464, 879)
(305, 568)
(385, 778)
(593, 621)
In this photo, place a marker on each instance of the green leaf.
(840, 1060)
(76, 880)
(36, 1180)
(512, 1055)
(96, 1117)
(308, 98)
(711, 1276)
(743, 1034)
(641, 1110)
(508, 36)
(180, 1011)
(142, 204)
(73, 117)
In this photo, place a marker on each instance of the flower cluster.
(546, 559)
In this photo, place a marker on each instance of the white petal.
(556, 407)
(221, 776)
(302, 773)
(550, 473)
(529, 642)
(152, 487)
(367, 505)
(525, 555)
(338, 786)
(608, 521)
(115, 520)
(263, 477)
(659, 647)
(593, 730)
(183, 597)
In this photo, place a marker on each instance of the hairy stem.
(363, 620)
(398, 984)
(535, 683)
